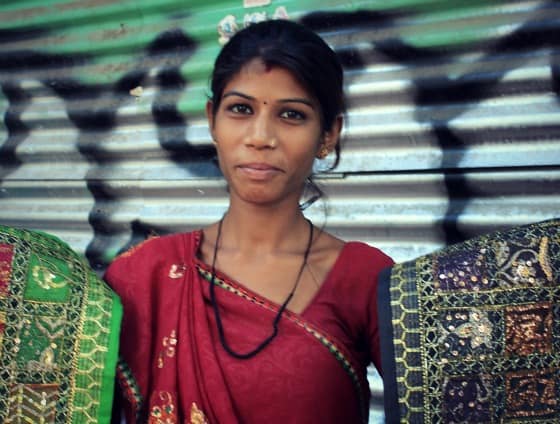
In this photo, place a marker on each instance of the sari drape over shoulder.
(174, 368)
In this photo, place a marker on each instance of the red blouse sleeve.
(379, 262)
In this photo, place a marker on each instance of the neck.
(261, 229)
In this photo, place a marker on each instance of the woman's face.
(267, 131)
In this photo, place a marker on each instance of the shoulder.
(354, 257)
(147, 256)
(365, 256)
(171, 243)
(357, 271)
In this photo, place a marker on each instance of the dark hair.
(293, 47)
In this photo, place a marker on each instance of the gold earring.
(323, 152)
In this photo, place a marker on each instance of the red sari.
(175, 370)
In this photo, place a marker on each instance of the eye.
(293, 115)
(240, 108)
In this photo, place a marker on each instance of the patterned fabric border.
(476, 330)
(60, 326)
(129, 387)
(324, 340)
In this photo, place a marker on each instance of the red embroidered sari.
(175, 370)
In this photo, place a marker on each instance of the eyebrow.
(288, 100)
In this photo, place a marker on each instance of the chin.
(261, 197)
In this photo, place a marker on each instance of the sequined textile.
(59, 326)
(471, 333)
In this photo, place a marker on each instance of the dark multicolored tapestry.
(471, 333)
(59, 328)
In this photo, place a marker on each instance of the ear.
(210, 117)
(330, 138)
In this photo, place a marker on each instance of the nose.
(261, 134)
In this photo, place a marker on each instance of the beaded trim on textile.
(476, 330)
(324, 340)
(59, 333)
(129, 387)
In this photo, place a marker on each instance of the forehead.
(258, 77)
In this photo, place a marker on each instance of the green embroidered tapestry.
(471, 333)
(59, 330)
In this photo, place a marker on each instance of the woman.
(260, 317)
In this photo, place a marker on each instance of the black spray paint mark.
(92, 108)
(442, 90)
(366, 20)
(555, 66)
(15, 64)
(18, 131)
(170, 122)
(172, 49)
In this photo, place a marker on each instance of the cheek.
(305, 160)
(222, 158)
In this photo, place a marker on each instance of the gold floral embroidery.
(525, 264)
(544, 260)
(163, 414)
(471, 327)
(197, 416)
(177, 271)
(46, 279)
(169, 344)
(52, 329)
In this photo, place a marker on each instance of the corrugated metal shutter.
(453, 125)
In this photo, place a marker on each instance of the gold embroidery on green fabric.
(38, 342)
(90, 353)
(55, 340)
(48, 279)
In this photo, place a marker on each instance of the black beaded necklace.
(219, 324)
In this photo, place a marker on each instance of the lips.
(258, 171)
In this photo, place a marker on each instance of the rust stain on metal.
(110, 34)
(32, 12)
(84, 4)
(20, 14)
